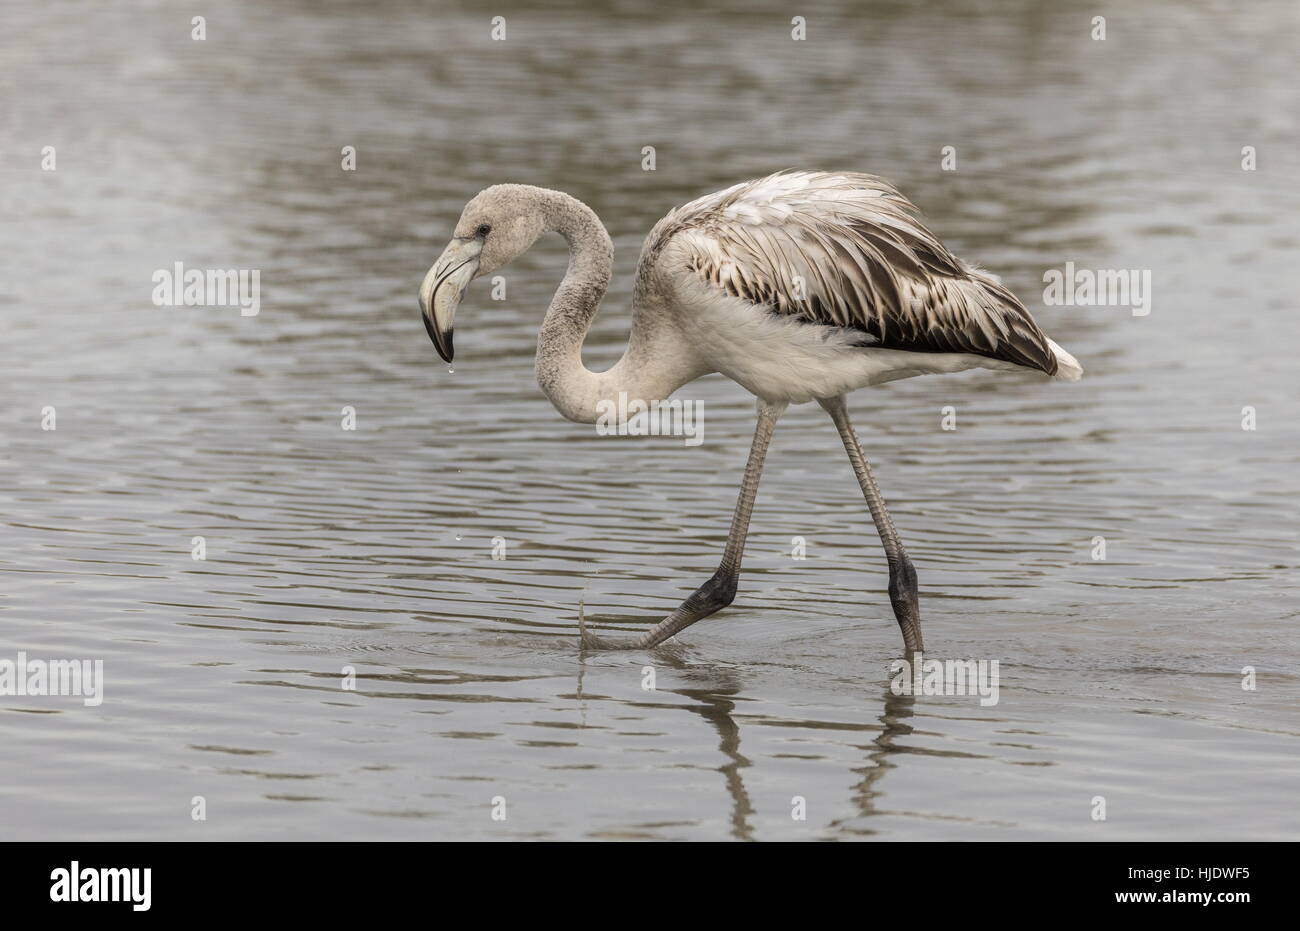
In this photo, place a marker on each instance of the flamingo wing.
(848, 250)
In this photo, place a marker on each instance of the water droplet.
(451, 370)
(457, 538)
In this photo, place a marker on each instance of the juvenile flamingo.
(800, 286)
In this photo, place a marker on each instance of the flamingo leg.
(720, 590)
(902, 576)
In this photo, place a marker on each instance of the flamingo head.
(497, 226)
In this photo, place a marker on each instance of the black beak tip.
(441, 341)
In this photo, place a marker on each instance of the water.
(372, 548)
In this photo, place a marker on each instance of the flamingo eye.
(482, 230)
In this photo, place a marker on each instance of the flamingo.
(800, 286)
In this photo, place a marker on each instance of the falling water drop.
(451, 370)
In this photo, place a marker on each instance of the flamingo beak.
(443, 288)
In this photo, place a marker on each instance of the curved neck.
(649, 367)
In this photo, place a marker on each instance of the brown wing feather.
(848, 250)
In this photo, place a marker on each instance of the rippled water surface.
(372, 548)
